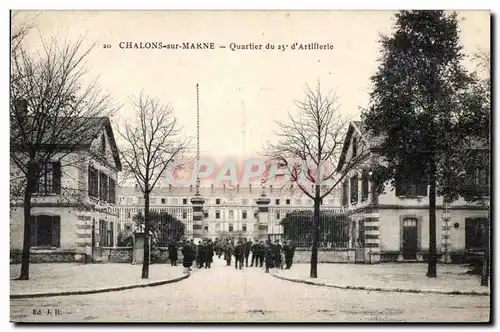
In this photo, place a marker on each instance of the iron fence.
(173, 222)
(336, 228)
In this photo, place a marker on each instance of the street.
(224, 294)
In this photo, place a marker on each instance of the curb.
(100, 290)
(381, 289)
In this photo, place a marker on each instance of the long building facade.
(228, 211)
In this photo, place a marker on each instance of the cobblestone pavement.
(224, 294)
(63, 277)
(450, 278)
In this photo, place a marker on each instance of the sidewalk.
(390, 277)
(68, 278)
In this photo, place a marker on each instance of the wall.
(44, 256)
(117, 255)
(390, 227)
(68, 226)
(303, 255)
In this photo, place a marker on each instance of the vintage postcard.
(250, 166)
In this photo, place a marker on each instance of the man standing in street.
(228, 252)
(260, 254)
(253, 249)
(268, 255)
(289, 250)
(200, 257)
(238, 254)
(248, 247)
(209, 254)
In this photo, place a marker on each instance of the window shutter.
(32, 174)
(56, 167)
(422, 190)
(56, 231)
(33, 231)
(89, 185)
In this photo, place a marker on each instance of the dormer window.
(103, 144)
(354, 147)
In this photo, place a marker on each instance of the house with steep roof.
(72, 203)
(394, 225)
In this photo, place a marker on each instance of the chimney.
(22, 107)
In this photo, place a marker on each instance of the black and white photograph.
(250, 166)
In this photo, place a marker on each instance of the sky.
(242, 90)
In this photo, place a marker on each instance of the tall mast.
(197, 140)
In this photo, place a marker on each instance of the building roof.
(188, 191)
(87, 129)
(375, 141)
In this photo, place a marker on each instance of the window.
(244, 215)
(244, 201)
(49, 180)
(217, 227)
(175, 201)
(255, 215)
(45, 231)
(361, 234)
(140, 200)
(231, 228)
(205, 215)
(110, 234)
(184, 214)
(112, 191)
(244, 227)
(217, 214)
(103, 187)
(354, 147)
(128, 214)
(152, 200)
(476, 233)
(410, 222)
(277, 215)
(331, 202)
(217, 201)
(103, 144)
(354, 189)
(93, 178)
(287, 202)
(103, 239)
(479, 181)
(163, 201)
(231, 215)
(297, 202)
(410, 187)
(364, 185)
(277, 201)
(128, 228)
(184, 201)
(206, 228)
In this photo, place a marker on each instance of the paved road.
(223, 294)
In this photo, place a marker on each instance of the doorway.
(410, 239)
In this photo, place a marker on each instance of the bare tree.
(52, 114)
(153, 143)
(19, 30)
(309, 150)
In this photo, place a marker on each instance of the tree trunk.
(145, 262)
(25, 260)
(432, 260)
(315, 235)
(485, 273)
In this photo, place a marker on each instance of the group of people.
(263, 254)
(274, 255)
